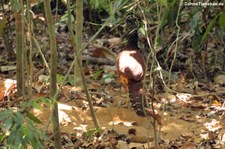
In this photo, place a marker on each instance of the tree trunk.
(30, 51)
(19, 52)
(78, 41)
(78, 53)
(53, 79)
(78, 49)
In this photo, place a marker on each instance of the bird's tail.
(138, 102)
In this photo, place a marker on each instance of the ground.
(187, 121)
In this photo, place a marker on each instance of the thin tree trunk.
(78, 41)
(78, 44)
(53, 85)
(30, 62)
(19, 52)
(78, 49)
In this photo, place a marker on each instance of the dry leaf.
(188, 145)
(220, 79)
(197, 105)
(103, 53)
(122, 145)
(7, 68)
(155, 115)
(7, 87)
(184, 97)
(114, 42)
(216, 103)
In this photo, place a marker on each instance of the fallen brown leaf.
(154, 114)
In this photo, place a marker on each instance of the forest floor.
(187, 121)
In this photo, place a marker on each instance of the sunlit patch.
(172, 126)
(7, 87)
(64, 107)
(213, 125)
(37, 112)
(125, 123)
(183, 97)
(9, 83)
(80, 129)
(64, 119)
(114, 122)
(204, 136)
(165, 113)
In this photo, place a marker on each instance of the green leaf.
(64, 18)
(97, 74)
(106, 76)
(211, 24)
(196, 40)
(59, 78)
(18, 118)
(44, 100)
(171, 19)
(71, 80)
(36, 105)
(164, 18)
(2, 137)
(15, 5)
(91, 133)
(5, 114)
(172, 15)
(163, 2)
(221, 20)
(142, 30)
(33, 118)
(2, 24)
(8, 124)
(172, 3)
(194, 22)
(118, 3)
(18, 130)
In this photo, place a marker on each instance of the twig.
(176, 46)
(41, 53)
(153, 53)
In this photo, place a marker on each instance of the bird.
(131, 67)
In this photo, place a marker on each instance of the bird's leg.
(127, 102)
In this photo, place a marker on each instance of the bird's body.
(131, 68)
(131, 64)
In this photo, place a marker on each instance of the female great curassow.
(131, 68)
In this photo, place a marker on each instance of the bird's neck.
(133, 41)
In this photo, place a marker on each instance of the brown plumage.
(131, 68)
